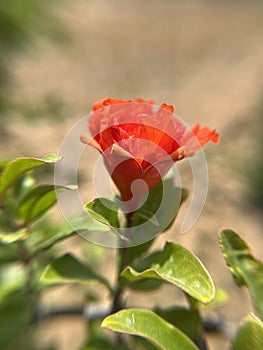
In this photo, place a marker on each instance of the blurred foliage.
(245, 146)
(22, 24)
(31, 264)
(29, 248)
(254, 168)
(22, 243)
(246, 270)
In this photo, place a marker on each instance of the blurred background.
(204, 57)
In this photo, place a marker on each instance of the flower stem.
(117, 303)
(123, 255)
(117, 300)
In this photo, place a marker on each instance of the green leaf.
(11, 237)
(98, 339)
(146, 285)
(10, 253)
(135, 252)
(12, 278)
(158, 214)
(104, 211)
(78, 225)
(14, 317)
(245, 268)
(36, 202)
(178, 266)
(250, 335)
(57, 237)
(187, 320)
(67, 269)
(147, 324)
(143, 284)
(143, 343)
(14, 169)
(22, 186)
(2, 165)
(221, 297)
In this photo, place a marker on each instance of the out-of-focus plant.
(248, 133)
(247, 271)
(30, 264)
(28, 268)
(253, 172)
(22, 203)
(22, 25)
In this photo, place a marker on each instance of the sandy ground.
(204, 57)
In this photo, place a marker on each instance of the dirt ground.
(206, 58)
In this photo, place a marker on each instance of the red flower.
(139, 142)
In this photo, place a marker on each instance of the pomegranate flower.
(140, 142)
